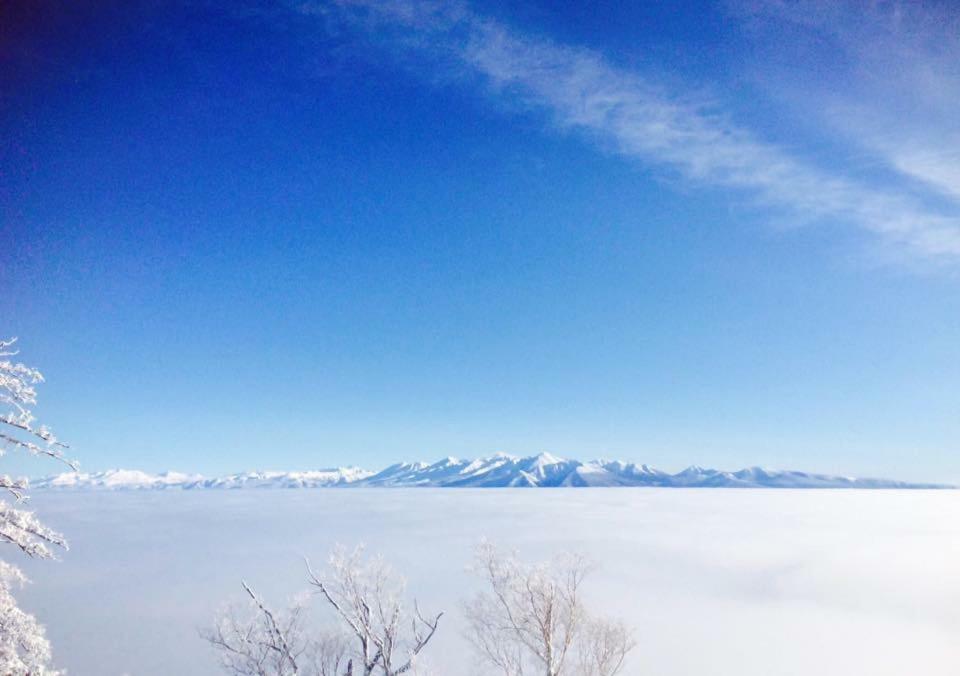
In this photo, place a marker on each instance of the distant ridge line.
(496, 471)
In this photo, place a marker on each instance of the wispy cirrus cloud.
(581, 90)
(900, 69)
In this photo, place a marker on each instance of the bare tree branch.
(280, 643)
(261, 642)
(532, 619)
(367, 596)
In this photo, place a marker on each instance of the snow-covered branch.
(24, 648)
(377, 636)
(18, 394)
(532, 619)
(257, 641)
(367, 596)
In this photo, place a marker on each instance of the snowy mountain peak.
(498, 470)
(117, 478)
(694, 470)
(448, 462)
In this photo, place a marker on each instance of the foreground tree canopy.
(374, 632)
(24, 648)
(529, 619)
(532, 619)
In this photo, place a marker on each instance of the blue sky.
(290, 235)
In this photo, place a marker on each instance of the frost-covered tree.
(531, 619)
(375, 634)
(24, 648)
(257, 641)
(367, 595)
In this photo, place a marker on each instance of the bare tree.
(532, 619)
(24, 648)
(378, 638)
(367, 596)
(256, 641)
(602, 647)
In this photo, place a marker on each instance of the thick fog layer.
(746, 583)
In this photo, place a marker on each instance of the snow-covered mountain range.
(497, 471)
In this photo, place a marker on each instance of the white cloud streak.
(901, 79)
(580, 90)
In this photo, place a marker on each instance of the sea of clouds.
(746, 583)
